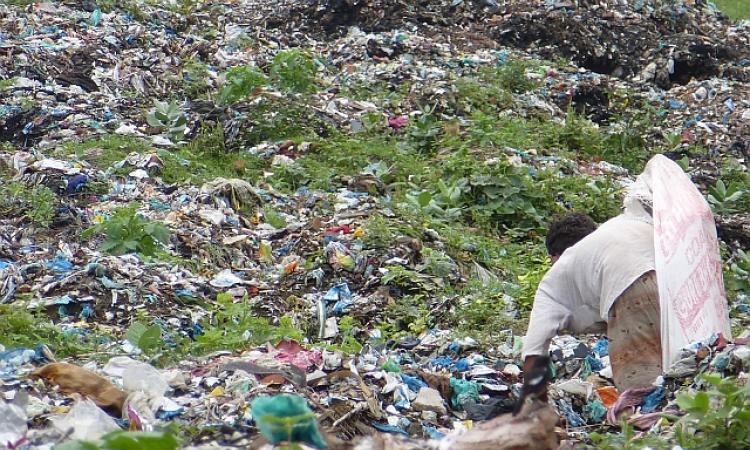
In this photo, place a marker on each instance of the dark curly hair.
(567, 230)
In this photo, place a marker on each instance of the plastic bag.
(137, 376)
(286, 418)
(87, 421)
(13, 424)
(688, 265)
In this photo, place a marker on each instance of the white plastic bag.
(87, 421)
(12, 423)
(139, 378)
(688, 264)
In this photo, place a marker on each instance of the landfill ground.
(346, 200)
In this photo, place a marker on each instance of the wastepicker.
(650, 278)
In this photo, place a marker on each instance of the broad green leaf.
(122, 440)
(160, 233)
(424, 199)
(135, 332)
(152, 120)
(701, 402)
(735, 196)
(77, 445)
(109, 245)
(163, 118)
(150, 338)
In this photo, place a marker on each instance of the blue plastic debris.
(385, 428)
(167, 415)
(184, 294)
(340, 294)
(96, 17)
(401, 397)
(595, 410)
(601, 347)
(677, 104)
(64, 300)
(157, 205)
(414, 383)
(109, 284)
(594, 363)
(574, 419)
(60, 265)
(442, 361)
(432, 432)
(76, 183)
(462, 365)
(18, 356)
(502, 57)
(462, 391)
(653, 400)
(286, 417)
(721, 362)
(404, 423)
(590, 364)
(87, 311)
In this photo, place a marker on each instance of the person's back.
(603, 264)
(578, 293)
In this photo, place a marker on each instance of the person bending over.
(601, 279)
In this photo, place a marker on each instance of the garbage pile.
(676, 44)
(289, 277)
(425, 390)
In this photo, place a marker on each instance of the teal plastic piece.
(461, 391)
(286, 418)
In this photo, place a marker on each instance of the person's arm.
(547, 319)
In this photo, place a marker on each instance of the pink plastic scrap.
(292, 352)
(645, 421)
(398, 122)
(627, 400)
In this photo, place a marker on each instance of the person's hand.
(528, 363)
(536, 377)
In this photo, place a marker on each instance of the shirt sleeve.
(548, 318)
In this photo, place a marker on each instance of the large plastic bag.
(287, 418)
(688, 264)
(12, 424)
(87, 421)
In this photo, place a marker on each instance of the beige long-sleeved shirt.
(576, 293)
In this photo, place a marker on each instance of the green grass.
(195, 163)
(5, 84)
(735, 9)
(21, 328)
(106, 150)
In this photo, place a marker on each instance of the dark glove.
(536, 378)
